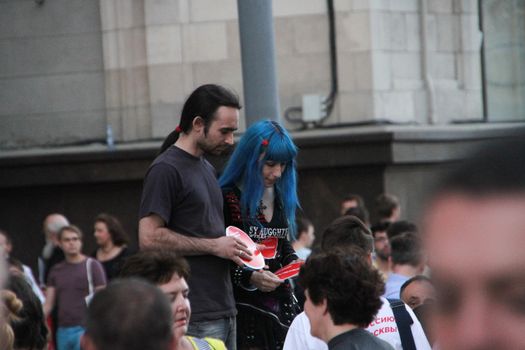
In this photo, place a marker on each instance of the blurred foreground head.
(128, 315)
(474, 231)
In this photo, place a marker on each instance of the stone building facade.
(408, 69)
(72, 67)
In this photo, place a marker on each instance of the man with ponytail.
(182, 208)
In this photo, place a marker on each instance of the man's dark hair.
(380, 227)
(203, 102)
(351, 287)
(406, 250)
(385, 205)
(30, 327)
(119, 237)
(414, 279)
(155, 265)
(399, 227)
(14, 263)
(347, 231)
(7, 236)
(354, 197)
(495, 168)
(359, 212)
(130, 315)
(302, 226)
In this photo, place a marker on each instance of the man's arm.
(153, 233)
(50, 300)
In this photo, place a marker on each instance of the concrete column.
(256, 31)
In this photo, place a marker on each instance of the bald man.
(51, 253)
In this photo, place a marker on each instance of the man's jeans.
(68, 338)
(224, 329)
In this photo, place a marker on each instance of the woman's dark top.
(358, 339)
(263, 317)
(112, 266)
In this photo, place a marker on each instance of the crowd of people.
(454, 283)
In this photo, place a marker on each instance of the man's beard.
(381, 255)
(216, 150)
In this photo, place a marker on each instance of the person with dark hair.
(302, 245)
(70, 283)
(474, 233)
(158, 266)
(112, 243)
(260, 197)
(204, 102)
(399, 227)
(30, 328)
(359, 212)
(406, 260)
(347, 231)
(129, 315)
(395, 322)
(304, 238)
(351, 200)
(169, 272)
(387, 208)
(182, 208)
(381, 248)
(342, 298)
(417, 290)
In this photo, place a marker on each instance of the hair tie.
(265, 143)
(178, 129)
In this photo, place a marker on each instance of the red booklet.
(289, 271)
(270, 249)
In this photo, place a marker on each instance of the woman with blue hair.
(260, 197)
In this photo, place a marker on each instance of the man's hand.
(228, 247)
(265, 280)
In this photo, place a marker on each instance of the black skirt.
(264, 326)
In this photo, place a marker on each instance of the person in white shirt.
(406, 261)
(346, 232)
(305, 238)
(342, 293)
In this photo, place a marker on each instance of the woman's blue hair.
(244, 169)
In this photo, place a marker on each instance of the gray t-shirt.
(358, 339)
(183, 190)
(71, 284)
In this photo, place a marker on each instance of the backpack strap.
(403, 321)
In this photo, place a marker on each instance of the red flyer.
(289, 271)
(270, 249)
(256, 261)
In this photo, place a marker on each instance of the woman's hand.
(265, 280)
